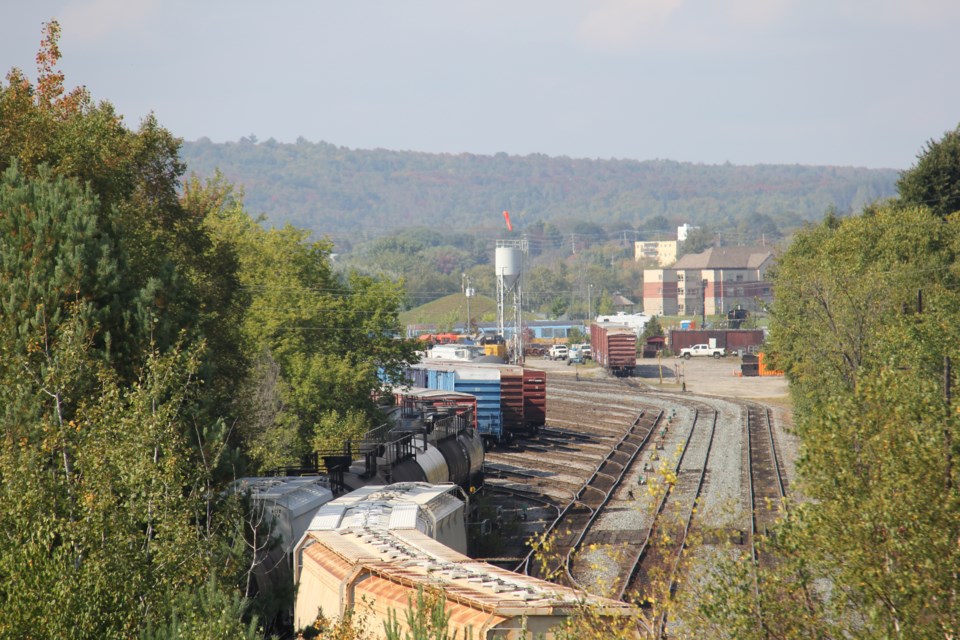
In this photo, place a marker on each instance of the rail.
(638, 447)
(660, 625)
(578, 499)
(758, 420)
(641, 554)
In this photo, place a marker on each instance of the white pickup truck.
(702, 350)
(558, 352)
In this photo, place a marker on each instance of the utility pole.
(589, 303)
(469, 293)
(703, 302)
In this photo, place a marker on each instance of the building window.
(679, 277)
(739, 277)
(679, 308)
(680, 291)
(659, 276)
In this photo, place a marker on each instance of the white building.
(684, 230)
(636, 321)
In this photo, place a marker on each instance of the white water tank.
(507, 265)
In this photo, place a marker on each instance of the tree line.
(356, 195)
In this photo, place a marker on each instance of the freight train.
(511, 400)
(444, 445)
(440, 425)
(614, 348)
(431, 437)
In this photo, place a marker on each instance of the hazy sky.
(841, 82)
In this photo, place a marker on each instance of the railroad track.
(555, 465)
(657, 564)
(588, 417)
(573, 524)
(634, 563)
(767, 486)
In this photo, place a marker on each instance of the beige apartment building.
(714, 282)
(664, 252)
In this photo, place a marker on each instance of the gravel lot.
(703, 376)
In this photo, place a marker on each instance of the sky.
(816, 82)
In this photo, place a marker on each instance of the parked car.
(559, 352)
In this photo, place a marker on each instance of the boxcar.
(614, 348)
(511, 400)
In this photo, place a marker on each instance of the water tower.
(508, 268)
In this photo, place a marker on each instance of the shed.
(653, 346)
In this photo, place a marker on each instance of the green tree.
(111, 464)
(167, 277)
(558, 307)
(652, 328)
(699, 239)
(934, 181)
(102, 487)
(865, 326)
(605, 305)
(548, 290)
(321, 343)
(866, 367)
(426, 619)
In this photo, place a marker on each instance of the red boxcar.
(534, 399)
(733, 340)
(614, 348)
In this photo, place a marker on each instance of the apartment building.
(715, 281)
(664, 252)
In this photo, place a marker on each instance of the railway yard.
(628, 471)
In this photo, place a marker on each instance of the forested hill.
(361, 194)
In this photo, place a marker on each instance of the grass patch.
(450, 310)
